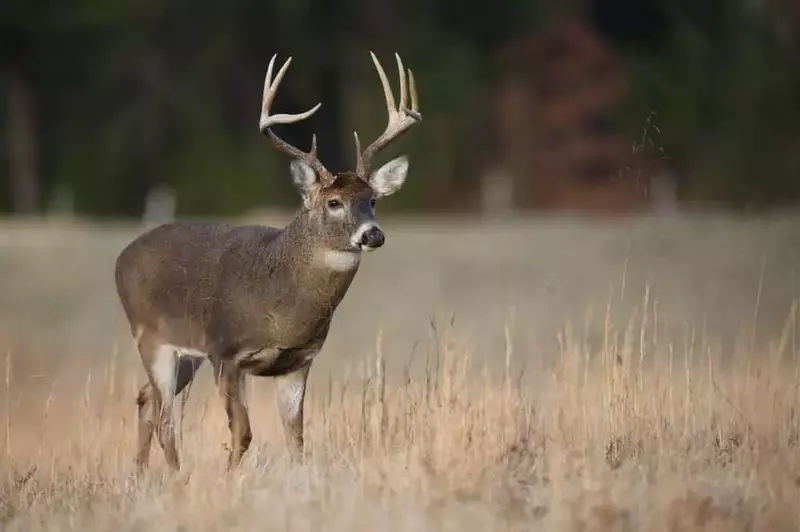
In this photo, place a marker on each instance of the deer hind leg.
(290, 394)
(148, 402)
(232, 388)
(167, 375)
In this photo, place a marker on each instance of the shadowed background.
(589, 105)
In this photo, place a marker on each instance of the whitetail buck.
(253, 299)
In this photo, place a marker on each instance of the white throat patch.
(341, 261)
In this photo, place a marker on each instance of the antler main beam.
(266, 122)
(401, 118)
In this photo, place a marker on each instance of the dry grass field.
(536, 374)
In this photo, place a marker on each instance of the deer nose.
(372, 238)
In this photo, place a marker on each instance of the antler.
(400, 118)
(266, 122)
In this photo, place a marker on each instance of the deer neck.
(320, 274)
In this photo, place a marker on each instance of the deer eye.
(334, 204)
(372, 203)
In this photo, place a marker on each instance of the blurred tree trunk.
(331, 148)
(334, 22)
(328, 21)
(22, 156)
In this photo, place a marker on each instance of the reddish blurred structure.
(552, 122)
(555, 145)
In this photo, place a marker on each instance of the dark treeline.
(102, 101)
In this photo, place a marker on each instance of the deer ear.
(390, 177)
(304, 177)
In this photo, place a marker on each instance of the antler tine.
(414, 97)
(387, 89)
(313, 151)
(270, 88)
(401, 72)
(400, 118)
(266, 122)
(268, 81)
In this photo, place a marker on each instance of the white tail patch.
(341, 261)
(164, 370)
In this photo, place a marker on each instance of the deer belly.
(273, 362)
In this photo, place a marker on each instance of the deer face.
(342, 212)
(341, 208)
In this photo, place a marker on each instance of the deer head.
(341, 207)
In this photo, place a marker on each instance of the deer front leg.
(231, 384)
(290, 393)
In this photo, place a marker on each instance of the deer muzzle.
(371, 238)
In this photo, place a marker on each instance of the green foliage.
(727, 95)
(132, 94)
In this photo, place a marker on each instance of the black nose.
(372, 237)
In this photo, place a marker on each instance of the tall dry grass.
(640, 433)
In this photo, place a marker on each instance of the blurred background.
(539, 116)
(580, 105)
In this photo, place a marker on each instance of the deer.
(256, 300)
